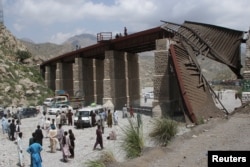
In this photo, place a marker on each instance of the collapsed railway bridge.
(108, 71)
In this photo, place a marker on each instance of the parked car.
(26, 113)
(86, 117)
(49, 101)
(1, 113)
(149, 95)
(58, 108)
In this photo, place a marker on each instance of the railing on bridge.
(104, 36)
(143, 110)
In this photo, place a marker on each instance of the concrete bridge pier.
(64, 77)
(50, 75)
(166, 99)
(246, 73)
(88, 79)
(59, 77)
(77, 77)
(121, 78)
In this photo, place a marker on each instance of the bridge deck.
(133, 43)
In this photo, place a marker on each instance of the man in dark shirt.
(98, 137)
(12, 130)
(39, 135)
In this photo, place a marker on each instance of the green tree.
(22, 55)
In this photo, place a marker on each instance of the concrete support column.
(59, 76)
(99, 75)
(246, 73)
(127, 99)
(94, 81)
(164, 79)
(88, 80)
(68, 78)
(77, 77)
(133, 80)
(47, 76)
(115, 82)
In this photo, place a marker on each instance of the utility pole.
(1, 12)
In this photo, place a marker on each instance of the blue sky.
(57, 20)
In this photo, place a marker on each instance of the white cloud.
(18, 27)
(51, 11)
(62, 17)
(60, 37)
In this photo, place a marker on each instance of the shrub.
(22, 55)
(106, 158)
(164, 129)
(95, 163)
(132, 142)
(200, 121)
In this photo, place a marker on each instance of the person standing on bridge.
(125, 31)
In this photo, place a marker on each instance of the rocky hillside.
(21, 82)
(46, 51)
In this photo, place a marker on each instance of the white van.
(86, 117)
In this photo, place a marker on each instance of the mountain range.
(48, 50)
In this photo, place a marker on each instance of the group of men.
(10, 127)
(52, 129)
(49, 129)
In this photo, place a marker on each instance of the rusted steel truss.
(193, 39)
(218, 43)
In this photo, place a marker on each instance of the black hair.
(33, 134)
(20, 134)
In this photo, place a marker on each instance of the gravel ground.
(85, 140)
(188, 149)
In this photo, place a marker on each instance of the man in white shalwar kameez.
(58, 120)
(4, 124)
(53, 139)
(47, 126)
(42, 120)
(20, 149)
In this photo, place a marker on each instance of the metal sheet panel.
(195, 91)
(218, 43)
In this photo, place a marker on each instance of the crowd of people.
(59, 139)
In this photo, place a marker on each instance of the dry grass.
(163, 130)
(132, 142)
(106, 158)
